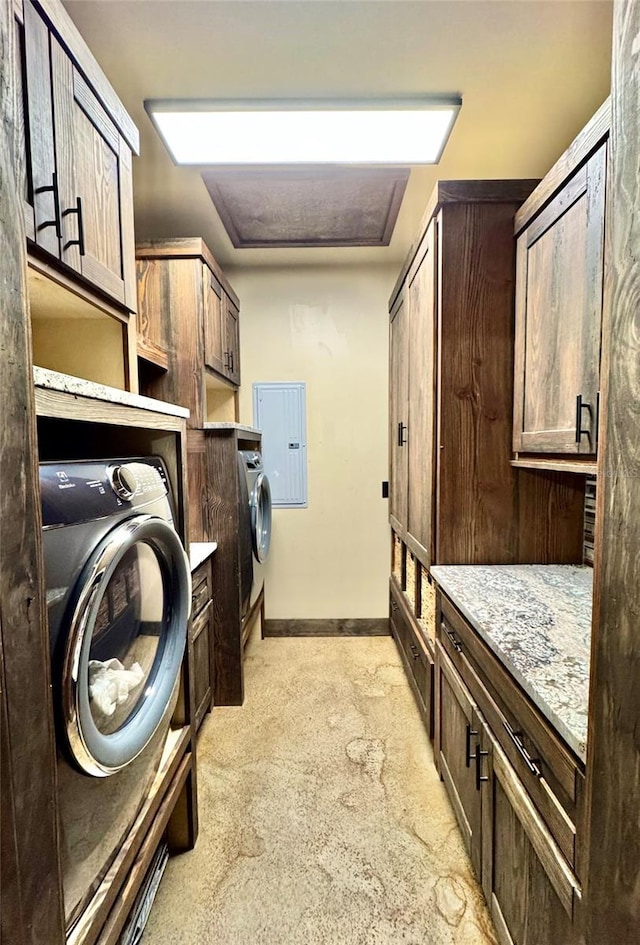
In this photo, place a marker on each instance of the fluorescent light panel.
(404, 132)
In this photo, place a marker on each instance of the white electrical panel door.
(279, 410)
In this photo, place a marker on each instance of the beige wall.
(329, 328)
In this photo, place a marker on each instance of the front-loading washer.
(118, 589)
(255, 525)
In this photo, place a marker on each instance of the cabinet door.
(398, 414)
(421, 392)
(214, 355)
(560, 261)
(457, 726)
(201, 642)
(232, 339)
(94, 178)
(37, 169)
(531, 892)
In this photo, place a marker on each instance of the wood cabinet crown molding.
(457, 191)
(186, 248)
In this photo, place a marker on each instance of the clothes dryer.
(118, 588)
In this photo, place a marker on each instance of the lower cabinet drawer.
(416, 656)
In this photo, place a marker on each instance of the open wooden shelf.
(582, 467)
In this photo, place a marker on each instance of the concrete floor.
(322, 818)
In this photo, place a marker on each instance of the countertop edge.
(79, 387)
(563, 731)
(199, 551)
(228, 425)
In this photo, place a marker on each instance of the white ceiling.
(530, 74)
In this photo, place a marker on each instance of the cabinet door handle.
(231, 357)
(455, 643)
(227, 366)
(402, 429)
(480, 777)
(53, 189)
(80, 241)
(580, 406)
(533, 764)
(414, 651)
(471, 732)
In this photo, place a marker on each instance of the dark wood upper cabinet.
(188, 323)
(215, 353)
(231, 341)
(77, 160)
(559, 301)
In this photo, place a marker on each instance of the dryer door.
(125, 642)
(261, 517)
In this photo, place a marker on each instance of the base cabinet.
(532, 893)
(201, 641)
(457, 729)
(416, 655)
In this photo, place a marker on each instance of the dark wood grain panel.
(550, 517)
(613, 773)
(29, 827)
(331, 627)
(477, 490)
(465, 191)
(222, 514)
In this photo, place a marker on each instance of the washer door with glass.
(260, 502)
(125, 642)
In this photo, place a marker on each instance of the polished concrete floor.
(322, 818)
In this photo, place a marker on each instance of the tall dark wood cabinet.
(455, 497)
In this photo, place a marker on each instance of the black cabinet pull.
(402, 429)
(227, 365)
(455, 643)
(479, 755)
(231, 357)
(53, 189)
(533, 764)
(580, 406)
(471, 732)
(414, 651)
(80, 241)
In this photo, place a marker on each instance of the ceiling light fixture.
(399, 131)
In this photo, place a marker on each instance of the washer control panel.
(74, 492)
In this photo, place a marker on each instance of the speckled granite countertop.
(241, 427)
(199, 551)
(53, 380)
(537, 620)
